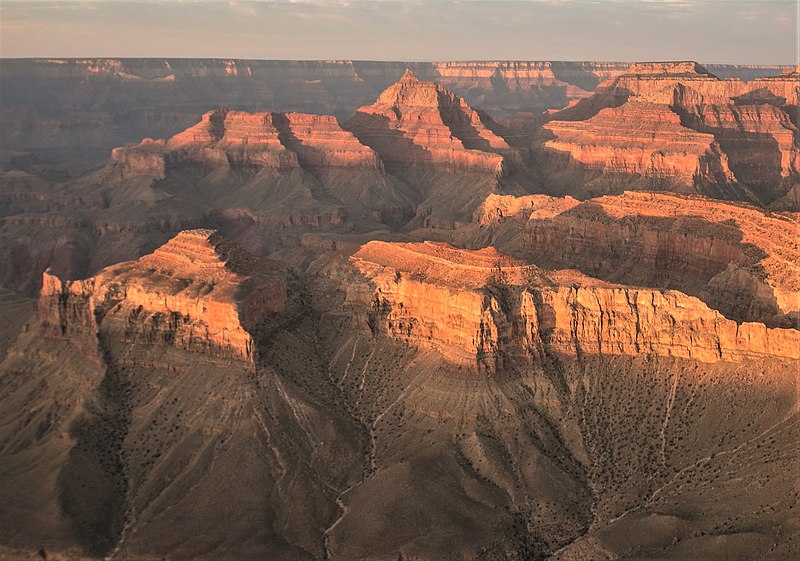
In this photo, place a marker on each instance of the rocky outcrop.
(320, 142)
(221, 139)
(198, 292)
(498, 208)
(759, 137)
(640, 138)
(654, 121)
(482, 308)
(414, 122)
(738, 259)
(145, 159)
(655, 81)
(267, 169)
(260, 141)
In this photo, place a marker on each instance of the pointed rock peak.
(409, 76)
(203, 254)
(200, 254)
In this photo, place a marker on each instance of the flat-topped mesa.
(786, 85)
(199, 292)
(654, 81)
(641, 138)
(416, 122)
(483, 309)
(521, 77)
(234, 138)
(222, 139)
(651, 120)
(674, 68)
(320, 142)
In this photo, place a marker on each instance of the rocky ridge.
(198, 292)
(268, 141)
(590, 380)
(738, 259)
(482, 308)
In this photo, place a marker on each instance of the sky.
(711, 31)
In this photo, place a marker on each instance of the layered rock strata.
(320, 141)
(644, 139)
(482, 308)
(415, 122)
(198, 292)
(739, 259)
(235, 139)
(725, 137)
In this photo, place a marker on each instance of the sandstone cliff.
(724, 137)
(641, 138)
(198, 292)
(220, 140)
(482, 309)
(738, 259)
(320, 142)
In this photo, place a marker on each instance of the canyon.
(334, 310)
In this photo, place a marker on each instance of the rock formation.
(198, 292)
(644, 139)
(654, 122)
(479, 308)
(221, 139)
(738, 259)
(226, 363)
(320, 142)
(414, 122)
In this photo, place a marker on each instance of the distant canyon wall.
(45, 102)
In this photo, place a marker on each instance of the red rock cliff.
(187, 294)
(482, 308)
(677, 120)
(739, 259)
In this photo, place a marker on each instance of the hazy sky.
(722, 31)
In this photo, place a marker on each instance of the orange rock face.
(739, 259)
(198, 292)
(657, 81)
(320, 141)
(677, 120)
(757, 136)
(640, 138)
(497, 208)
(483, 308)
(416, 122)
(224, 138)
(274, 141)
